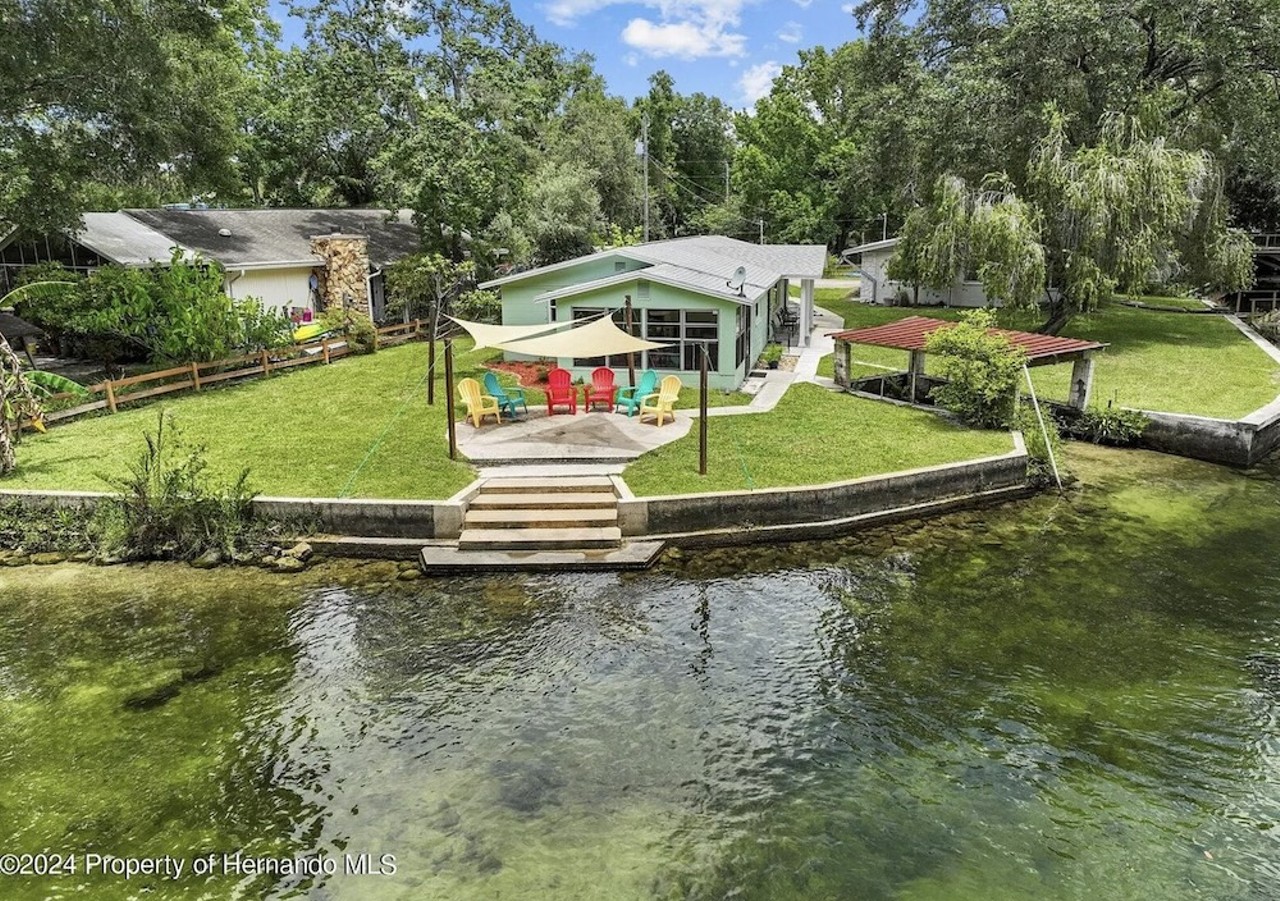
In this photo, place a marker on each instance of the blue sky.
(728, 48)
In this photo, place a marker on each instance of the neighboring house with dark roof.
(293, 260)
(684, 292)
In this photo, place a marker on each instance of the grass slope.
(301, 433)
(813, 436)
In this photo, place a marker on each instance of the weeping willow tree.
(1132, 210)
(989, 232)
(1119, 215)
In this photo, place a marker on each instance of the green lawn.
(813, 436)
(300, 433)
(305, 433)
(1172, 362)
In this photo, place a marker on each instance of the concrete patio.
(596, 437)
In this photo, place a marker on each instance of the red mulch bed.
(530, 375)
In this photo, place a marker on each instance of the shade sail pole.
(702, 413)
(448, 385)
(631, 356)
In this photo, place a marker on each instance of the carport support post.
(916, 369)
(702, 413)
(1081, 382)
(448, 384)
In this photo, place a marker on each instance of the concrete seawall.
(740, 517)
(1237, 442)
(370, 518)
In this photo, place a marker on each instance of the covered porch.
(911, 334)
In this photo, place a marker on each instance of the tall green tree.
(99, 98)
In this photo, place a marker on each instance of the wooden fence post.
(324, 344)
(195, 375)
(266, 363)
(111, 396)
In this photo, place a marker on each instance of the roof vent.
(224, 233)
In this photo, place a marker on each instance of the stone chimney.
(344, 275)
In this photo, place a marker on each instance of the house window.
(619, 266)
(617, 361)
(685, 331)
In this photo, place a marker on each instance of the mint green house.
(686, 292)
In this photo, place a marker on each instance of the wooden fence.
(113, 393)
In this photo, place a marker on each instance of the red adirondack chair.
(601, 390)
(560, 391)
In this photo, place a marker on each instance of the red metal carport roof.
(910, 334)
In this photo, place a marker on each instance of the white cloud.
(791, 33)
(567, 12)
(757, 81)
(847, 9)
(632, 59)
(686, 40)
(803, 4)
(688, 29)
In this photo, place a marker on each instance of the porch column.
(806, 310)
(1081, 382)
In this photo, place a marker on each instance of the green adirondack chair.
(632, 397)
(508, 398)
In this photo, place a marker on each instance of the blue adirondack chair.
(508, 398)
(631, 398)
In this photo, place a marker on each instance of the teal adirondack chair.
(508, 398)
(632, 397)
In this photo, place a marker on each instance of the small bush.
(168, 509)
(1114, 426)
(982, 371)
(358, 329)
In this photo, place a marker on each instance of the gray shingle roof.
(280, 236)
(705, 263)
(122, 238)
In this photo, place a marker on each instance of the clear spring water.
(1055, 699)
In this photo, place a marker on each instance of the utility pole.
(726, 181)
(884, 226)
(644, 139)
(761, 231)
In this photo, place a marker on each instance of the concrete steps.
(541, 522)
(528, 500)
(552, 518)
(524, 539)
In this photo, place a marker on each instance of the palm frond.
(35, 289)
(52, 383)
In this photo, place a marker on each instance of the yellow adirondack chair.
(478, 405)
(660, 404)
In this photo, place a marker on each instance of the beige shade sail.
(597, 338)
(488, 335)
